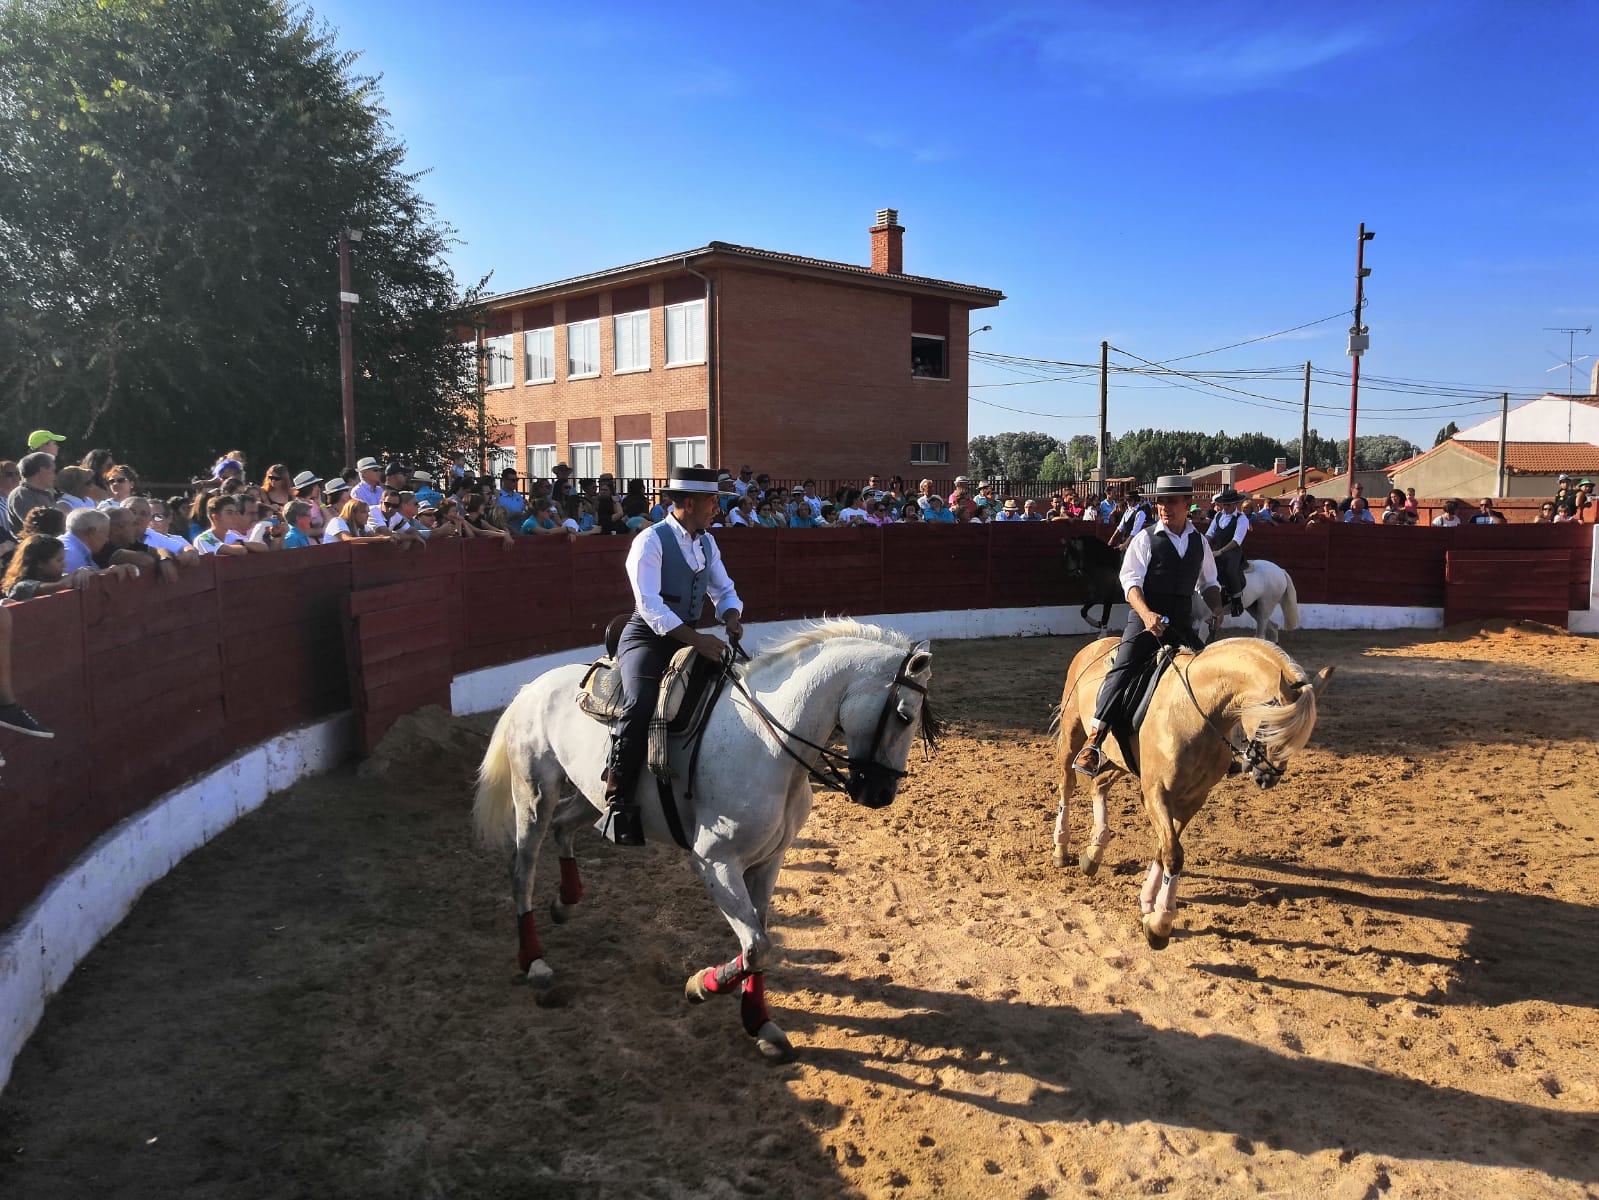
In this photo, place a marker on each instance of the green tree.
(982, 457)
(173, 180)
(1322, 453)
(1444, 434)
(1057, 468)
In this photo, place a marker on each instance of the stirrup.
(1090, 760)
(621, 825)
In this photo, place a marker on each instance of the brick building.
(728, 355)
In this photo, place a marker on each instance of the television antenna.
(1571, 352)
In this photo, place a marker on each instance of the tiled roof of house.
(1267, 478)
(728, 249)
(1537, 458)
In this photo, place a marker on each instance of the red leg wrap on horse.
(752, 1004)
(571, 884)
(725, 978)
(529, 947)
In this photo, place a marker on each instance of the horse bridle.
(1254, 751)
(830, 764)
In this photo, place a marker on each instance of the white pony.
(1266, 587)
(751, 790)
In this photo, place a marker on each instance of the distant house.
(1468, 468)
(1212, 477)
(1550, 418)
(726, 355)
(1374, 486)
(1281, 480)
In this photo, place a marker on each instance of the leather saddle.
(1132, 706)
(686, 696)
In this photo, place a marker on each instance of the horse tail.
(494, 807)
(1290, 603)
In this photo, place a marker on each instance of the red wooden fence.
(147, 683)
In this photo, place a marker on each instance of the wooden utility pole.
(347, 301)
(1358, 341)
(1504, 422)
(1304, 428)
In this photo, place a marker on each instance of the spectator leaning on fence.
(222, 536)
(39, 568)
(36, 490)
(1448, 518)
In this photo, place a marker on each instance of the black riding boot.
(621, 822)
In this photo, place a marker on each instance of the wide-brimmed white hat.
(305, 479)
(693, 479)
(367, 464)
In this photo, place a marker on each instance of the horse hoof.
(539, 974)
(774, 1045)
(695, 991)
(1156, 940)
(1058, 857)
(1087, 863)
(560, 913)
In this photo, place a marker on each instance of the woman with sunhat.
(1165, 563)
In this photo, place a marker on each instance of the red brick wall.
(653, 393)
(815, 379)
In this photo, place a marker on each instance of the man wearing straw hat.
(672, 566)
(1164, 564)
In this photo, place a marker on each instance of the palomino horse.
(1266, 587)
(751, 790)
(1238, 688)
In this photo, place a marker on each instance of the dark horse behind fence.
(1088, 558)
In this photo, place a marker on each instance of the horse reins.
(1254, 753)
(830, 764)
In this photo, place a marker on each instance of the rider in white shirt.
(1226, 534)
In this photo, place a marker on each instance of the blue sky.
(1170, 177)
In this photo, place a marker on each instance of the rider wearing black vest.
(1228, 528)
(672, 567)
(1164, 565)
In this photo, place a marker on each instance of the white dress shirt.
(1135, 565)
(1240, 530)
(370, 493)
(644, 573)
(1133, 521)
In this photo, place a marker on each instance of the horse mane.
(824, 630)
(816, 633)
(1281, 728)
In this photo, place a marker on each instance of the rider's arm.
(1209, 583)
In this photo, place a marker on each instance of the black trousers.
(1138, 647)
(1230, 570)
(642, 656)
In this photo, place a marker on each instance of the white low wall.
(86, 902)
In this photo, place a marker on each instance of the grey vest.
(682, 587)
(1169, 582)
(1221, 529)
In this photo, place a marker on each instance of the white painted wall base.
(86, 901)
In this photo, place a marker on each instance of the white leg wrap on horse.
(1146, 897)
(1060, 825)
(1166, 898)
(1099, 839)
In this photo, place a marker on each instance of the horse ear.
(921, 660)
(1320, 684)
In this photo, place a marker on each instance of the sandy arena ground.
(1383, 983)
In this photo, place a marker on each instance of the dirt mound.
(1500, 629)
(429, 743)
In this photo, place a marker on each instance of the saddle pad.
(680, 704)
(600, 693)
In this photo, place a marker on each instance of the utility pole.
(1504, 423)
(1104, 409)
(1304, 428)
(1358, 341)
(347, 301)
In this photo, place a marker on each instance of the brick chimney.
(888, 243)
(1279, 466)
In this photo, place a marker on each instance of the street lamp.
(979, 329)
(347, 301)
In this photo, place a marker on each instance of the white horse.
(1266, 588)
(751, 791)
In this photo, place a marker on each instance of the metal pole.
(1354, 378)
(1104, 409)
(1304, 428)
(346, 349)
(1504, 421)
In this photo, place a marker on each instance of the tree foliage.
(1018, 456)
(1148, 453)
(1444, 434)
(1372, 452)
(173, 181)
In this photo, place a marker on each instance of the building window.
(930, 453)
(634, 460)
(582, 351)
(497, 361)
(632, 341)
(541, 462)
(586, 462)
(929, 357)
(501, 457)
(684, 452)
(685, 333)
(538, 354)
